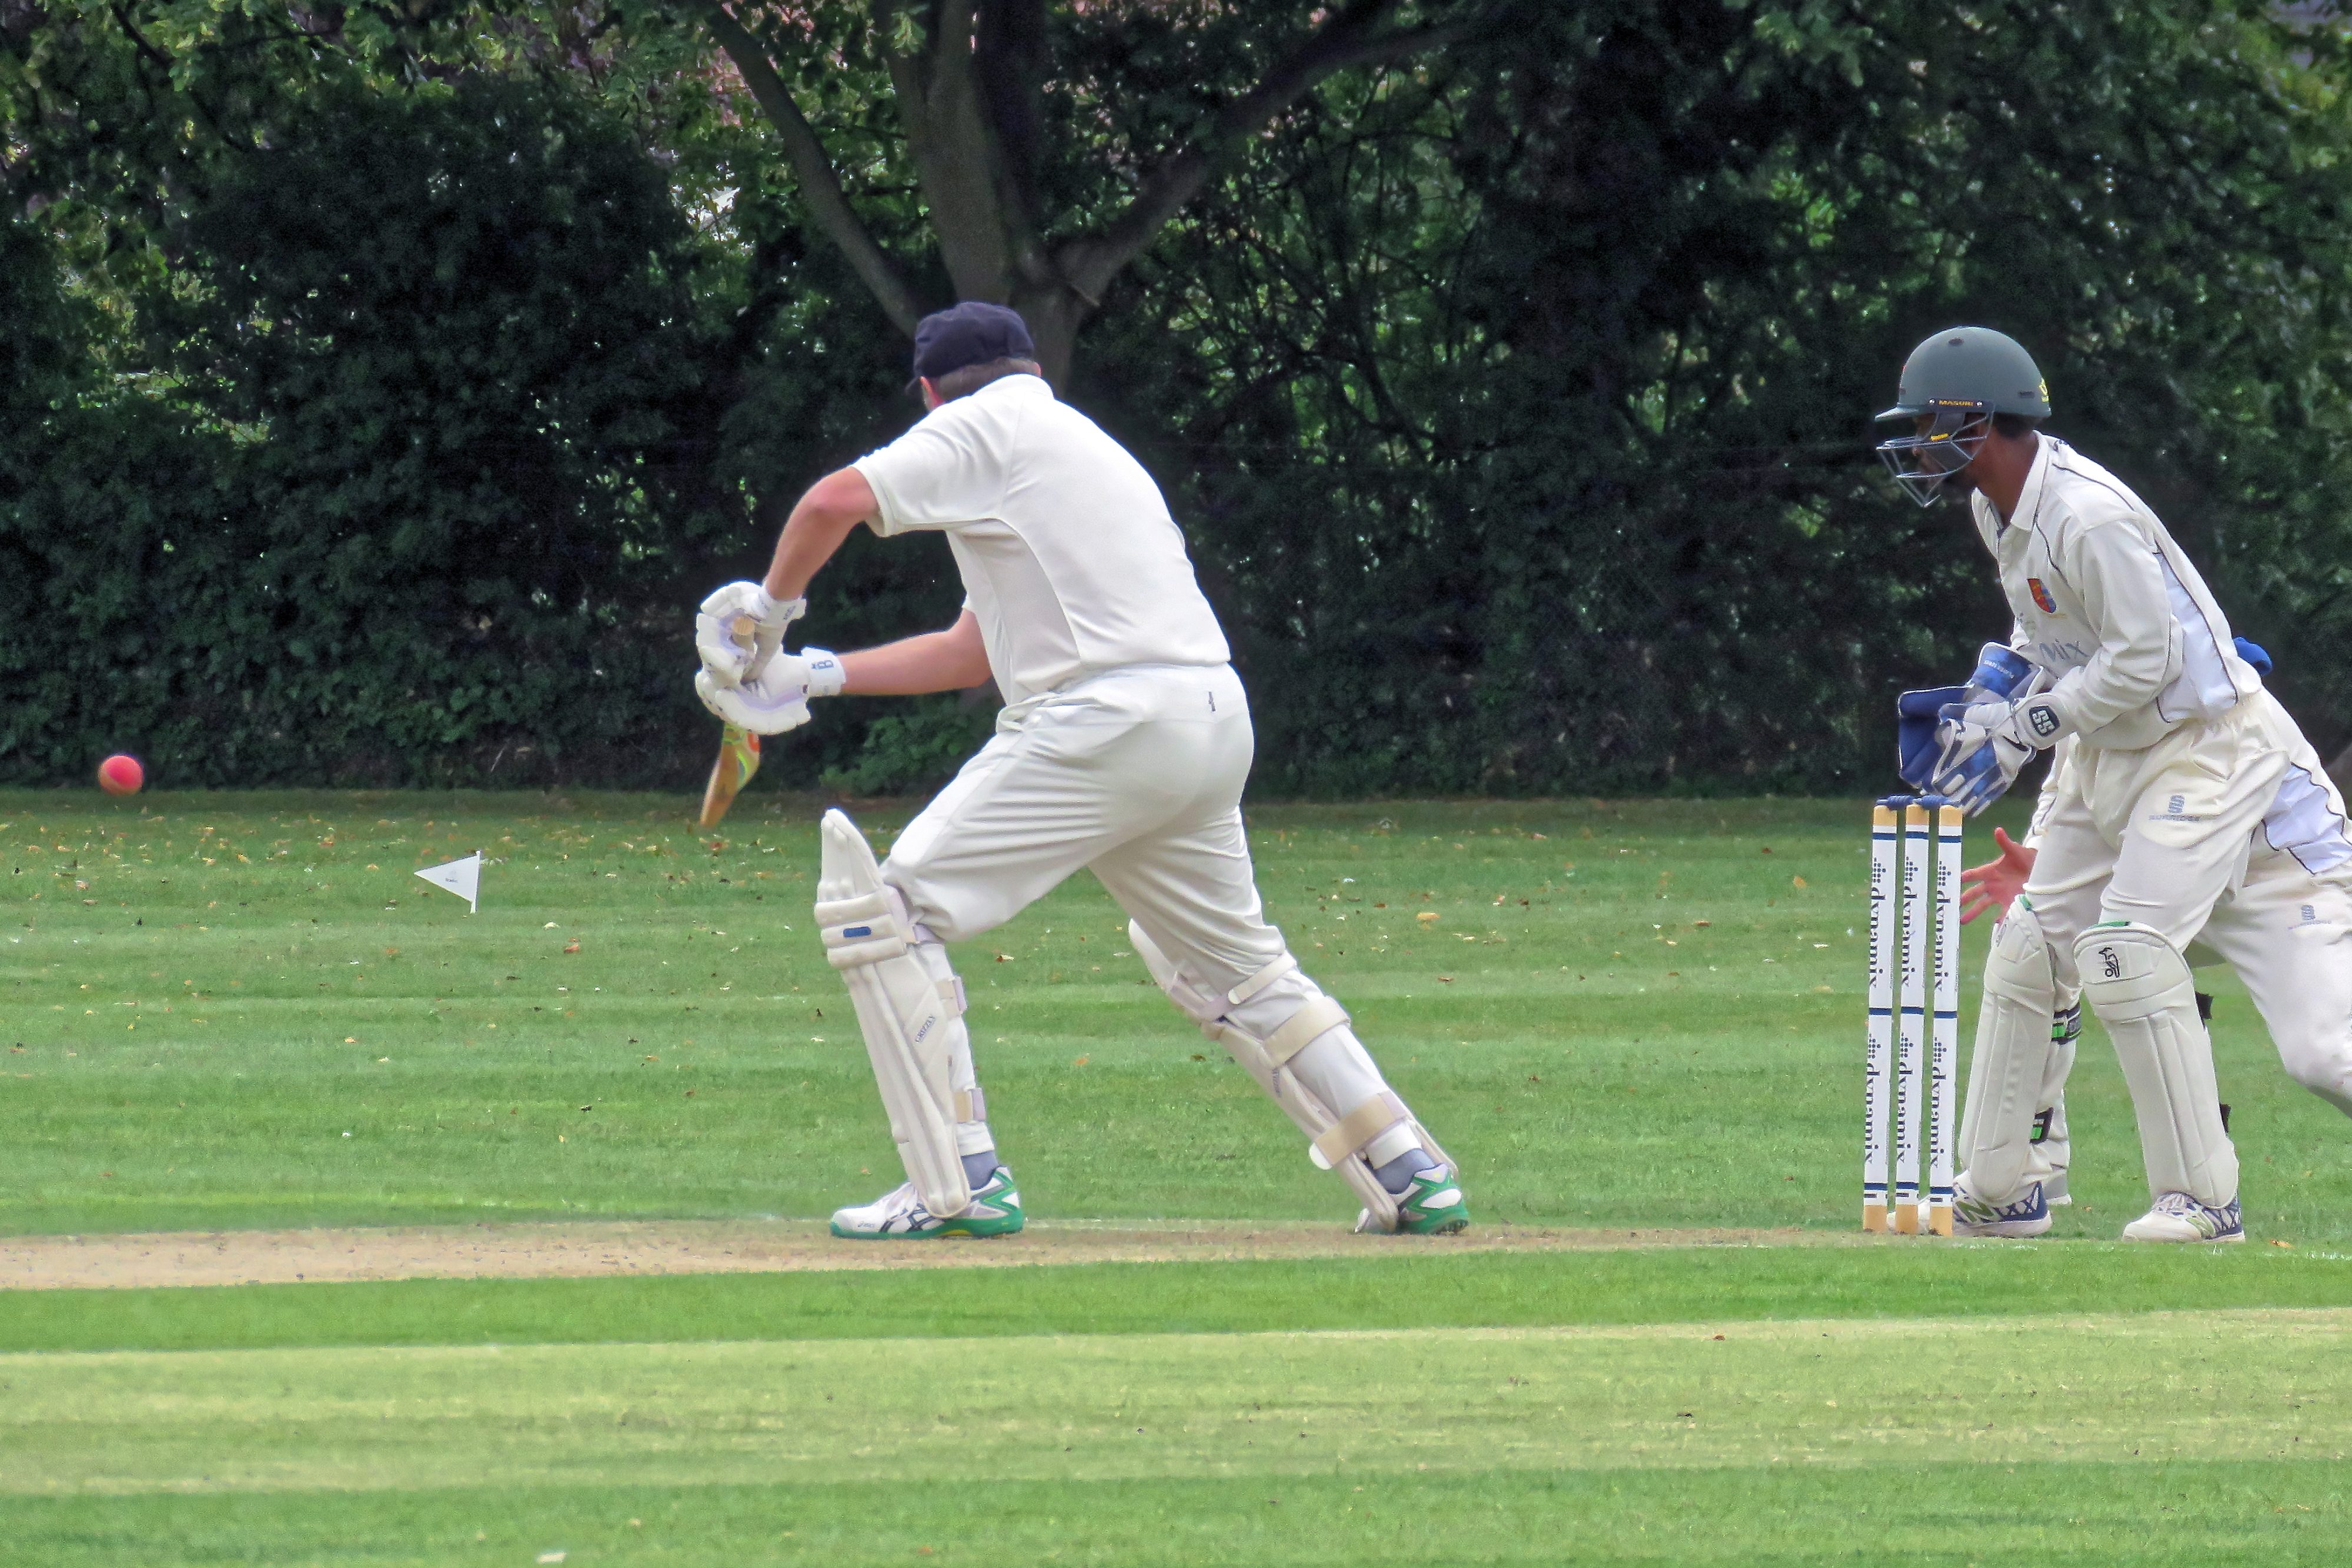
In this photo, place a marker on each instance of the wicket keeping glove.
(1986, 744)
(739, 629)
(2001, 672)
(777, 698)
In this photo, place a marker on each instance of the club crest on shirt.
(2034, 586)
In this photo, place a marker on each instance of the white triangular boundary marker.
(463, 878)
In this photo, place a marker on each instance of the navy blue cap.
(971, 333)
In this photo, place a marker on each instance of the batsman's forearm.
(947, 661)
(820, 521)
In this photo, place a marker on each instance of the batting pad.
(2139, 985)
(1335, 1141)
(909, 1019)
(2011, 1058)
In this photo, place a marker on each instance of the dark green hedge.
(1517, 407)
(424, 481)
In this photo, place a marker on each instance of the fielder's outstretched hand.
(1992, 884)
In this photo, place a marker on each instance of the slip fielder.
(2184, 805)
(1122, 749)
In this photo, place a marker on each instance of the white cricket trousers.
(1135, 774)
(2199, 836)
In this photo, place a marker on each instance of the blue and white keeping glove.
(1984, 745)
(739, 629)
(777, 698)
(2255, 654)
(2000, 673)
(1980, 754)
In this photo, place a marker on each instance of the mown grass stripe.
(2208, 1513)
(2219, 1386)
(1672, 1285)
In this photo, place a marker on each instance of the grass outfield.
(2146, 1512)
(1641, 1015)
(1645, 1013)
(2079, 1437)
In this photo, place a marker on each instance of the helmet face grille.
(1953, 384)
(1926, 462)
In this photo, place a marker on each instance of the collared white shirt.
(1069, 558)
(2108, 604)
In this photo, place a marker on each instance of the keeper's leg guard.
(2006, 1070)
(1375, 1127)
(2138, 984)
(910, 1008)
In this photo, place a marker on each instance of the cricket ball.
(120, 774)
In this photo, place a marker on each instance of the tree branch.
(1353, 38)
(147, 51)
(820, 185)
(1009, 60)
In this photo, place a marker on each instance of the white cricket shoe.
(995, 1210)
(2177, 1217)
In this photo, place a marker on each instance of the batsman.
(2183, 804)
(1122, 749)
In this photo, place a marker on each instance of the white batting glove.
(777, 698)
(739, 629)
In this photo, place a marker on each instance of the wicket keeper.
(1122, 749)
(2183, 803)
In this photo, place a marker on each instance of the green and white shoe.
(2178, 1217)
(1430, 1205)
(899, 1215)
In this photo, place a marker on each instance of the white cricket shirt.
(2109, 605)
(1069, 558)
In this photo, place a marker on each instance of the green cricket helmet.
(1956, 381)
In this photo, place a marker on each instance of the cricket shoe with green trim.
(899, 1215)
(2028, 1214)
(2178, 1217)
(1430, 1205)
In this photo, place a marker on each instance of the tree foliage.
(384, 384)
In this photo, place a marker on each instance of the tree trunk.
(968, 104)
(1054, 314)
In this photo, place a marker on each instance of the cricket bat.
(739, 759)
(738, 754)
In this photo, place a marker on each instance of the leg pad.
(911, 1019)
(1335, 1139)
(2140, 985)
(2007, 1070)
